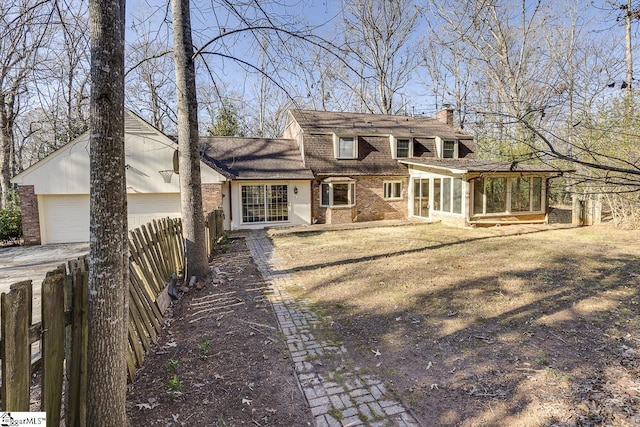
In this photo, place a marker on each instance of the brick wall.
(211, 196)
(30, 215)
(339, 215)
(370, 202)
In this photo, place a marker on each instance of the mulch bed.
(221, 359)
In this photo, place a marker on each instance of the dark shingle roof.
(254, 158)
(374, 124)
(374, 147)
(476, 165)
(374, 157)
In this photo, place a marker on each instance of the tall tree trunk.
(189, 161)
(6, 148)
(108, 256)
(628, 47)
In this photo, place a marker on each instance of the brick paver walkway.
(337, 392)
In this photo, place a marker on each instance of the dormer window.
(447, 148)
(401, 148)
(345, 147)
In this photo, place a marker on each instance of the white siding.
(299, 204)
(147, 151)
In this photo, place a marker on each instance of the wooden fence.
(587, 210)
(156, 254)
(214, 227)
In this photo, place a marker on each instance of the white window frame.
(351, 194)
(394, 147)
(440, 147)
(388, 190)
(267, 193)
(453, 180)
(338, 139)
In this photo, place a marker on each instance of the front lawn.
(527, 326)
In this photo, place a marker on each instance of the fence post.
(576, 211)
(53, 343)
(16, 351)
(211, 225)
(219, 213)
(77, 409)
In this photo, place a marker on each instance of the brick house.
(369, 167)
(266, 183)
(328, 167)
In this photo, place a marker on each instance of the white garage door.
(65, 219)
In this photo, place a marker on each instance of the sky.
(209, 20)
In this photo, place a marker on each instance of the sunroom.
(472, 192)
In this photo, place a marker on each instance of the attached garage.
(65, 218)
(54, 193)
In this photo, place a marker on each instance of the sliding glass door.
(421, 197)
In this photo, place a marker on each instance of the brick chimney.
(445, 115)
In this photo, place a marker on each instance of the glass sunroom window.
(536, 191)
(520, 194)
(446, 194)
(515, 194)
(457, 195)
(496, 194)
(478, 195)
(436, 194)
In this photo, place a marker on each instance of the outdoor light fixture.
(166, 175)
(295, 189)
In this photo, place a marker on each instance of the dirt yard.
(221, 360)
(488, 327)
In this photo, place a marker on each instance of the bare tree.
(378, 35)
(54, 107)
(150, 81)
(189, 152)
(109, 255)
(24, 26)
(450, 76)
(71, 70)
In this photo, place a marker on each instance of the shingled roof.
(374, 124)
(254, 158)
(374, 148)
(477, 165)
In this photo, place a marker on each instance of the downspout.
(230, 207)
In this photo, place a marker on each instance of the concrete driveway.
(19, 263)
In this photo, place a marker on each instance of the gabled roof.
(254, 158)
(477, 165)
(374, 149)
(374, 124)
